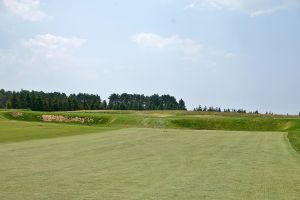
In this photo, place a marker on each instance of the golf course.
(148, 155)
(150, 100)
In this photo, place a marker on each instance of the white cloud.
(45, 59)
(185, 49)
(185, 46)
(252, 8)
(26, 9)
(52, 46)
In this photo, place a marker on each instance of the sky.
(227, 53)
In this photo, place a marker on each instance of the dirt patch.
(60, 118)
(16, 114)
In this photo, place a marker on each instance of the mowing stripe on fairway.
(152, 164)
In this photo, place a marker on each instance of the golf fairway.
(152, 164)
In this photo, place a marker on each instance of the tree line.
(226, 110)
(55, 101)
(141, 102)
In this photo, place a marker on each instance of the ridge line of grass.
(169, 119)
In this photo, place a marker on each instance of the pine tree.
(15, 100)
(182, 105)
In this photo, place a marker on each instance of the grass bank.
(90, 121)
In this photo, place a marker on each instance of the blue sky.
(228, 53)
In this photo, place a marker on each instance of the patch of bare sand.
(60, 118)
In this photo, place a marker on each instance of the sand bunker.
(60, 118)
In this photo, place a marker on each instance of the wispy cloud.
(175, 43)
(26, 9)
(252, 8)
(45, 57)
(52, 46)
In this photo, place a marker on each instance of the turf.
(152, 164)
(294, 137)
(168, 119)
(149, 119)
(16, 131)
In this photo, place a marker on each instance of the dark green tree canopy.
(55, 101)
(41, 101)
(141, 102)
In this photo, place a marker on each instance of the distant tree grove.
(55, 101)
(141, 102)
(218, 109)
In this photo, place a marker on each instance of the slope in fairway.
(16, 131)
(152, 164)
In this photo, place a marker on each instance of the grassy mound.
(63, 117)
(233, 123)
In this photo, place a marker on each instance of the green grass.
(294, 137)
(16, 131)
(169, 119)
(162, 119)
(149, 155)
(152, 164)
(233, 123)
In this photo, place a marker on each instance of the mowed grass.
(15, 131)
(109, 119)
(152, 164)
(146, 163)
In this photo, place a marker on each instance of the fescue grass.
(294, 137)
(169, 119)
(152, 164)
(233, 123)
